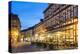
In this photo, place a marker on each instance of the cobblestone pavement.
(27, 48)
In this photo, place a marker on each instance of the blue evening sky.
(29, 13)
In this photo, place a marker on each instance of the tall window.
(57, 19)
(71, 12)
(76, 11)
(62, 16)
(68, 14)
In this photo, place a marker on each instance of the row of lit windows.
(63, 16)
(15, 22)
(51, 11)
(66, 36)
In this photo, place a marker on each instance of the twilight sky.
(29, 13)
